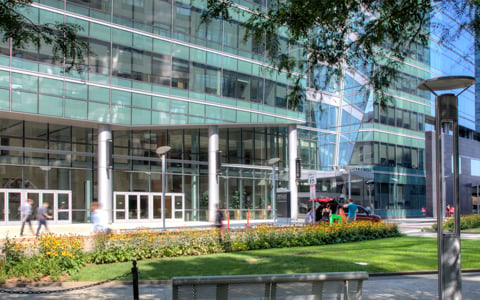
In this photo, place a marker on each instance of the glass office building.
(158, 76)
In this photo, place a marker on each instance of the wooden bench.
(334, 285)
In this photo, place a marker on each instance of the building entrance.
(11, 200)
(134, 206)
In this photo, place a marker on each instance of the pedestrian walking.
(452, 210)
(352, 210)
(219, 223)
(42, 216)
(99, 219)
(26, 212)
(309, 218)
(218, 217)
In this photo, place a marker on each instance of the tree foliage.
(66, 46)
(342, 36)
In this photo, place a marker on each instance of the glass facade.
(157, 75)
(375, 154)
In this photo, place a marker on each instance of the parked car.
(365, 214)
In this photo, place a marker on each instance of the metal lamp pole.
(370, 184)
(446, 111)
(349, 183)
(273, 162)
(162, 151)
(395, 204)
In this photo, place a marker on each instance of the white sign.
(312, 180)
(313, 193)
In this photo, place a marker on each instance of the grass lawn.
(384, 255)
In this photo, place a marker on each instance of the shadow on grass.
(357, 256)
(374, 256)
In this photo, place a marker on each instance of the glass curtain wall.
(47, 156)
(242, 190)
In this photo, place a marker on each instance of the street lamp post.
(349, 184)
(273, 162)
(370, 185)
(395, 204)
(446, 111)
(349, 181)
(162, 151)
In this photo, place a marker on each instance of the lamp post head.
(162, 150)
(446, 83)
(273, 161)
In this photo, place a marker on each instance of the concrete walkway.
(400, 287)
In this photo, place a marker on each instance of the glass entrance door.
(137, 207)
(178, 204)
(13, 206)
(59, 203)
(147, 206)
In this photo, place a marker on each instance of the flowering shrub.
(265, 236)
(14, 252)
(150, 244)
(56, 256)
(144, 244)
(466, 222)
(50, 255)
(61, 254)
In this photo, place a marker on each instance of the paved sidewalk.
(399, 287)
(85, 229)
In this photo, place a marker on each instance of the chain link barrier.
(13, 291)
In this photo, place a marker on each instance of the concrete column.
(292, 180)
(105, 169)
(213, 186)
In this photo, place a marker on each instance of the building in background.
(158, 76)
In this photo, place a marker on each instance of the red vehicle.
(365, 214)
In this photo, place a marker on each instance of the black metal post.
(135, 280)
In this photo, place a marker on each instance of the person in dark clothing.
(42, 216)
(218, 217)
(219, 223)
(326, 213)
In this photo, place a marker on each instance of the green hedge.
(466, 222)
(149, 244)
(57, 256)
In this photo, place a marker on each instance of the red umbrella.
(326, 199)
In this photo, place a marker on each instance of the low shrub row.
(144, 244)
(148, 244)
(466, 222)
(56, 256)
